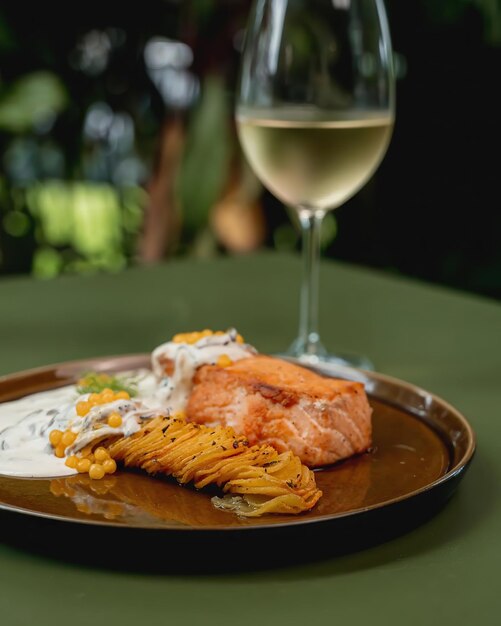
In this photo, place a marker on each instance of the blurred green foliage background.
(117, 143)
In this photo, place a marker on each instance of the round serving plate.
(421, 448)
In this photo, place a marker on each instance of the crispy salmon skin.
(268, 400)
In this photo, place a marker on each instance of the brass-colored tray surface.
(422, 446)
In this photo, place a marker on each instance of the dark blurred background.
(118, 147)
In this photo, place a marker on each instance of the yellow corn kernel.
(224, 360)
(109, 466)
(59, 451)
(83, 408)
(192, 337)
(101, 454)
(96, 471)
(195, 336)
(55, 437)
(114, 420)
(107, 396)
(122, 395)
(83, 466)
(68, 438)
(94, 398)
(72, 461)
(179, 338)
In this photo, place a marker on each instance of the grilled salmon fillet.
(268, 400)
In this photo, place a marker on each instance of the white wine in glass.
(315, 112)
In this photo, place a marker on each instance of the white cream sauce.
(25, 424)
(24, 436)
(188, 357)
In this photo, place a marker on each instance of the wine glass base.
(320, 355)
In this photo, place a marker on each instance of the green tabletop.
(444, 572)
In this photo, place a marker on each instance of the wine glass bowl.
(314, 113)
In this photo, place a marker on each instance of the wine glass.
(314, 114)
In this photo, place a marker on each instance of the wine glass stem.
(309, 338)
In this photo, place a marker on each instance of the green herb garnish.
(92, 382)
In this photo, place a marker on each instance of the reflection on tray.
(345, 486)
(136, 499)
